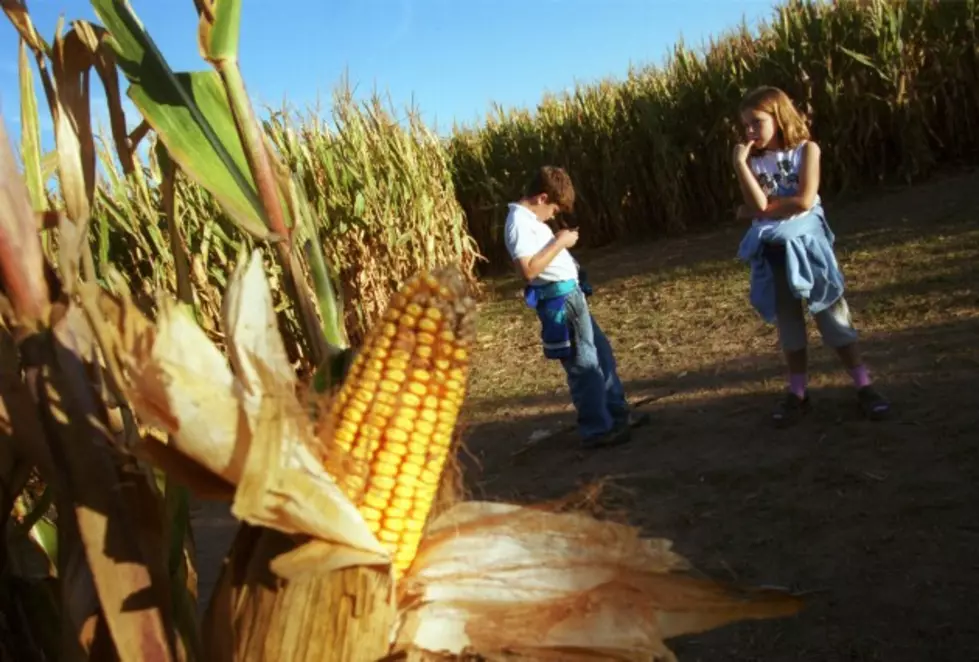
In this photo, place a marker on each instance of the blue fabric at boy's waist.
(533, 294)
(549, 300)
(810, 263)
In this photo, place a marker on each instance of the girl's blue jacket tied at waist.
(810, 263)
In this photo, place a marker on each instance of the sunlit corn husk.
(495, 577)
(396, 412)
(320, 615)
(248, 429)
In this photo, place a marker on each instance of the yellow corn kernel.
(413, 525)
(403, 423)
(401, 504)
(386, 535)
(398, 364)
(386, 457)
(385, 470)
(375, 501)
(384, 483)
(418, 444)
(368, 431)
(386, 398)
(395, 513)
(401, 355)
(409, 413)
(370, 514)
(387, 411)
(353, 415)
(396, 435)
(395, 448)
(393, 524)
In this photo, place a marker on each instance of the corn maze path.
(877, 523)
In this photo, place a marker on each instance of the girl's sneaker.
(790, 409)
(874, 405)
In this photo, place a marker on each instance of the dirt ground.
(876, 523)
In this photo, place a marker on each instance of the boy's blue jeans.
(596, 391)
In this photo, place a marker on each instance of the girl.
(789, 247)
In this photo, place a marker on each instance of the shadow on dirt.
(870, 518)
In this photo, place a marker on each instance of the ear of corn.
(395, 414)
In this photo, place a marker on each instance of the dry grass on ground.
(877, 521)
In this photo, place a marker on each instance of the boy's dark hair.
(556, 184)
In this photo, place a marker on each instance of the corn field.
(380, 196)
(890, 87)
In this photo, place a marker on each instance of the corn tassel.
(395, 414)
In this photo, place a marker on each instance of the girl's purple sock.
(860, 375)
(797, 384)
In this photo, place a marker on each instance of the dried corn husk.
(494, 577)
(247, 428)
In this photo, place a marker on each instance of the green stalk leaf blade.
(179, 128)
(191, 115)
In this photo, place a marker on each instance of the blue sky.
(450, 57)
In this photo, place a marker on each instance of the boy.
(568, 331)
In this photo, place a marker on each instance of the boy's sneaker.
(634, 421)
(790, 409)
(874, 405)
(614, 437)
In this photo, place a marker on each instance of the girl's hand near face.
(741, 153)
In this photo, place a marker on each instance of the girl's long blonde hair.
(791, 125)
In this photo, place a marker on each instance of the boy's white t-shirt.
(525, 235)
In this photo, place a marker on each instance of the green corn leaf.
(190, 114)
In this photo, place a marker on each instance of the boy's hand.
(741, 152)
(566, 238)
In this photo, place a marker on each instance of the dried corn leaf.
(251, 326)
(498, 577)
(21, 259)
(108, 507)
(177, 380)
(249, 430)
